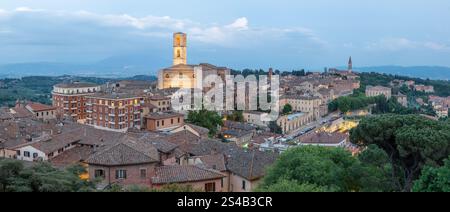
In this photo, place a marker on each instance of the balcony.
(112, 114)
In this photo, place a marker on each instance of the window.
(99, 173)
(210, 187)
(243, 185)
(18, 152)
(35, 155)
(178, 120)
(171, 121)
(157, 123)
(162, 122)
(143, 173)
(221, 183)
(121, 174)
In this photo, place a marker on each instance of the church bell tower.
(179, 48)
(350, 65)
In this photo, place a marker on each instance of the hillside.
(38, 88)
(424, 72)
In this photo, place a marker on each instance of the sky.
(283, 34)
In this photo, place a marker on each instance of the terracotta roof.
(54, 143)
(162, 145)
(237, 133)
(183, 174)
(323, 138)
(213, 161)
(238, 126)
(159, 98)
(5, 115)
(113, 96)
(93, 136)
(127, 152)
(21, 112)
(167, 115)
(200, 130)
(76, 85)
(250, 164)
(72, 156)
(38, 107)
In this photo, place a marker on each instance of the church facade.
(183, 75)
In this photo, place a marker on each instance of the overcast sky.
(235, 33)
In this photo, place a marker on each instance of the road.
(316, 124)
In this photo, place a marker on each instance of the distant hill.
(90, 70)
(126, 65)
(425, 72)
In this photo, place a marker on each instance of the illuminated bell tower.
(179, 48)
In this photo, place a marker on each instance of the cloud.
(400, 44)
(239, 24)
(236, 33)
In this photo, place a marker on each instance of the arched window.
(181, 75)
(167, 76)
(178, 53)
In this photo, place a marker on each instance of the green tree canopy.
(410, 141)
(275, 128)
(207, 119)
(434, 179)
(287, 109)
(41, 177)
(312, 168)
(237, 116)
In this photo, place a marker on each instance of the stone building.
(372, 91)
(182, 75)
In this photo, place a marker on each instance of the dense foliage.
(410, 141)
(434, 179)
(441, 87)
(287, 109)
(39, 88)
(210, 120)
(351, 103)
(275, 128)
(42, 177)
(312, 168)
(236, 115)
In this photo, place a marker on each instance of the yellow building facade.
(182, 75)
